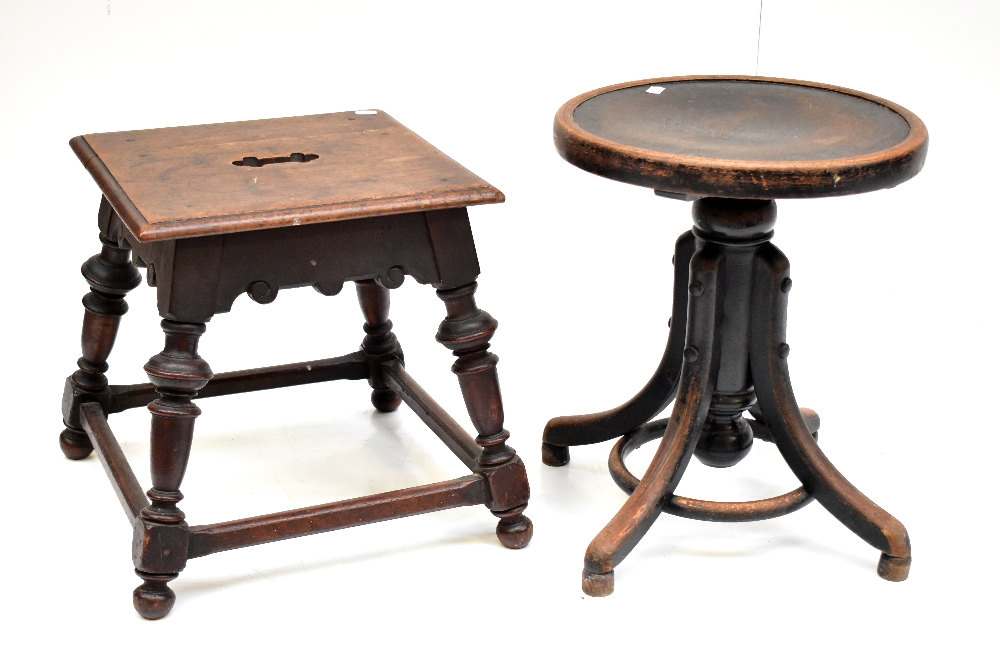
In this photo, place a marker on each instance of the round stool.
(732, 145)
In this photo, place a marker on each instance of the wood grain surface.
(741, 137)
(180, 182)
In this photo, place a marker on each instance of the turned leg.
(701, 362)
(563, 432)
(110, 275)
(792, 435)
(379, 343)
(467, 331)
(160, 542)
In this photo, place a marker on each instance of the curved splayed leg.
(791, 434)
(564, 432)
(698, 372)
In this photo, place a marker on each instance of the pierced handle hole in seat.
(256, 162)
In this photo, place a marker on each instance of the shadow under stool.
(732, 145)
(213, 211)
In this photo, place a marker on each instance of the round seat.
(741, 137)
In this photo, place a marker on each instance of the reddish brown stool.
(733, 145)
(213, 211)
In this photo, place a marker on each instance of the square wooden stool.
(213, 211)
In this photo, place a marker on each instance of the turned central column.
(739, 227)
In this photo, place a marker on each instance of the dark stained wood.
(769, 365)
(197, 278)
(562, 432)
(465, 491)
(432, 414)
(110, 276)
(697, 382)
(731, 145)
(215, 211)
(380, 343)
(762, 431)
(741, 137)
(352, 367)
(160, 534)
(745, 355)
(123, 480)
(180, 182)
(716, 511)
(467, 331)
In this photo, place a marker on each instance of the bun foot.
(598, 584)
(75, 444)
(153, 599)
(894, 569)
(514, 530)
(555, 455)
(385, 400)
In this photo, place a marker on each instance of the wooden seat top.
(741, 137)
(181, 182)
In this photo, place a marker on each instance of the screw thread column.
(739, 228)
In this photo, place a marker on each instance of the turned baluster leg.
(467, 331)
(160, 542)
(110, 275)
(379, 343)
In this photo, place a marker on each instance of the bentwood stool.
(733, 145)
(213, 211)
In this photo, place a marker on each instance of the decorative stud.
(786, 284)
(696, 289)
(261, 293)
(690, 354)
(783, 350)
(392, 279)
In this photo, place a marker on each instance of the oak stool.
(732, 145)
(213, 211)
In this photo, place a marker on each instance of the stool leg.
(379, 342)
(467, 331)
(564, 432)
(110, 275)
(701, 362)
(160, 542)
(769, 368)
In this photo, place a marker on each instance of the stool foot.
(555, 455)
(644, 505)
(598, 584)
(514, 530)
(790, 429)
(75, 444)
(894, 569)
(385, 400)
(153, 599)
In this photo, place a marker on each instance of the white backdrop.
(891, 326)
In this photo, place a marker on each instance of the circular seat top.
(741, 137)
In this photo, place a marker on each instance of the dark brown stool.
(213, 211)
(733, 145)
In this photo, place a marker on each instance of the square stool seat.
(213, 211)
(180, 182)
